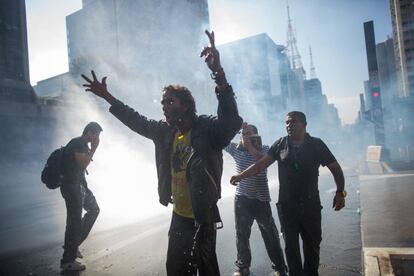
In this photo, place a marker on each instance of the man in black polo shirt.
(299, 156)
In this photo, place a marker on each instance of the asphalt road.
(139, 248)
(389, 197)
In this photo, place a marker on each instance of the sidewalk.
(387, 223)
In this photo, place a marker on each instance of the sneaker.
(242, 271)
(72, 266)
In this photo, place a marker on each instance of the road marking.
(381, 176)
(105, 252)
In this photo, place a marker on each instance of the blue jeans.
(246, 211)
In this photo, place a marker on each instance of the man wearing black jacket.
(188, 150)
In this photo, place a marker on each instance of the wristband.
(343, 193)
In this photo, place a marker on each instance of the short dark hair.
(299, 115)
(93, 127)
(184, 95)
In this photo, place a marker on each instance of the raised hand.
(212, 55)
(95, 142)
(96, 87)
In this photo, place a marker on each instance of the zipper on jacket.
(212, 180)
(206, 171)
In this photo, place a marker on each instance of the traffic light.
(376, 98)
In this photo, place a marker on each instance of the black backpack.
(53, 172)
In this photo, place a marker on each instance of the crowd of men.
(189, 162)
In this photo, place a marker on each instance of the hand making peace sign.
(212, 55)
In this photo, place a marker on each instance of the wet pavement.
(391, 198)
(388, 223)
(140, 247)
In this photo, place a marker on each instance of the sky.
(332, 28)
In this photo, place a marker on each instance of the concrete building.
(141, 46)
(14, 62)
(320, 114)
(144, 45)
(387, 72)
(314, 97)
(372, 86)
(54, 86)
(402, 19)
(257, 68)
(267, 87)
(24, 121)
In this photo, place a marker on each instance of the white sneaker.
(73, 266)
(244, 271)
(278, 273)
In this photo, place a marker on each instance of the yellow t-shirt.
(179, 187)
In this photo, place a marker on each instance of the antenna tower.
(312, 73)
(292, 48)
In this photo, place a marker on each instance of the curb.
(377, 260)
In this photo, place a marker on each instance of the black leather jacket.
(209, 135)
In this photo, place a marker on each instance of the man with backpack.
(74, 189)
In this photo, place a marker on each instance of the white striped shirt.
(254, 187)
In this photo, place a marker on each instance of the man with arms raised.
(188, 152)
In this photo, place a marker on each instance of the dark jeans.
(77, 197)
(191, 248)
(304, 219)
(246, 211)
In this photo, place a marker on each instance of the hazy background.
(123, 174)
(334, 30)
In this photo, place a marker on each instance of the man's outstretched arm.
(254, 169)
(128, 116)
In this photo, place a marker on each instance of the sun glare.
(124, 181)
